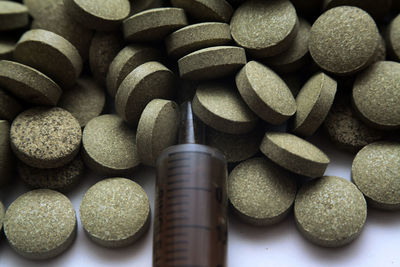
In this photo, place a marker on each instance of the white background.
(279, 245)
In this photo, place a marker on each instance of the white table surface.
(278, 245)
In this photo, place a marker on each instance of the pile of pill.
(96, 86)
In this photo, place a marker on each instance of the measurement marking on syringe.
(177, 219)
(177, 167)
(176, 160)
(177, 196)
(177, 242)
(177, 250)
(178, 174)
(177, 259)
(189, 188)
(178, 181)
(176, 211)
(176, 204)
(175, 235)
(188, 226)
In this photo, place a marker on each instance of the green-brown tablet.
(126, 61)
(330, 211)
(294, 154)
(9, 106)
(40, 224)
(2, 214)
(109, 146)
(157, 129)
(35, 6)
(12, 15)
(212, 62)
(100, 15)
(376, 172)
(378, 10)
(154, 24)
(219, 106)
(313, 104)
(265, 28)
(197, 36)
(6, 155)
(51, 54)
(28, 84)
(265, 93)
(206, 10)
(376, 95)
(44, 137)
(261, 192)
(145, 83)
(115, 212)
(84, 101)
(343, 40)
(393, 38)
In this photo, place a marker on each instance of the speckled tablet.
(12, 15)
(212, 62)
(2, 214)
(109, 146)
(45, 137)
(376, 172)
(265, 93)
(157, 129)
(9, 106)
(51, 54)
(261, 192)
(330, 212)
(115, 212)
(393, 37)
(265, 28)
(206, 10)
(40, 224)
(6, 155)
(294, 154)
(35, 6)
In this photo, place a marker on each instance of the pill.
(376, 95)
(330, 211)
(44, 137)
(212, 62)
(265, 28)
(343, 40)
(51, 54)
(2, 214)
(28, 84)
(63, 178)
(40, 224)
(393, 37)
(294, 154)
(6, 155)
(145, 83)
(206, 10)
(197, 36)
(377, 9)
(85, 100)
(12, 15)
(154, 24)
(9, 106)
(265, 93)
(380, 52)
(219, 106)
(313, 104)
(35, 6)
(128, 59)
(157, 129)
(376, 172)
(115, 212)
(7, 46)
(261, 192)
(109, 146)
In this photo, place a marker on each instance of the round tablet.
(35, 6)
(343, 40)
(261, 192)
(380, 52)
(28, 84)
(154, 24)
(313, 104)
(197, 36)
(6, 155)
(51, 54)
(265, 93)
(265, 28)
(330, 211)
(109, 146)
(376, 172)
(9, 106)
(40, 224)
(7, 46)
(295, 56)
(294, 154)
(12, 15)
(376, 95)
(115, 212)
(45, 137)
(103, 49)
(346, 130)
(212, 62)
(235, 147)
(145, 83)
(101, 15)
(2, 214)
(377, 9)
(157, 129)
(393, 37)
(126, 61)
(62, 178)
(206, 10)
(85, 101)
(219, 106)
